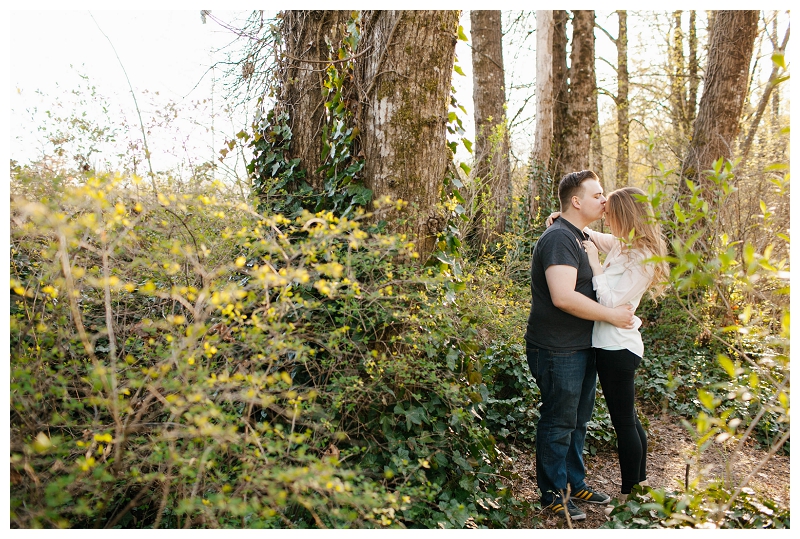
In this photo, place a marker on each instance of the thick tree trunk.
(560, 95)
(581, 102)
(406, 81)
(302, 71)
(623, 123)
(718, 119)
(491, 168)
(539, 186)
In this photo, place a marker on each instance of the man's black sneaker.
(591, 496)
(574, 513)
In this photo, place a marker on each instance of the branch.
(771, 84)
(362, 53)
(613, 39)
(136, 104)
(383, 55)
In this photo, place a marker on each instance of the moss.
(385, 87)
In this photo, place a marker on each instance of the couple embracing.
(582, 325)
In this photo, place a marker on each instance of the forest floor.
(670, 448)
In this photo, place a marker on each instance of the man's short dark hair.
(571, 185)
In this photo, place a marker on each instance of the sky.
(164, 51)
(169, 52)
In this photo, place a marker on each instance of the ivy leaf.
(461, 35)
(457, 69)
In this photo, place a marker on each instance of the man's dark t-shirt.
(548, 326)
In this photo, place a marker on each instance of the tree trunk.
(718, 120)
(776, 95)
(596, 155)
(560, 96)
(677, 79)
(302, 71)
(581, 102)
(623, 123)
(694, 68)
(539, 176)
(406, 80)
(491, 169)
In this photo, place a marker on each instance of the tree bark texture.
(677, 79)
(581, 102)
(694, 68)
(491, 135)
(596, 154)
(622, 103)
(560, 95)
(302, 72)
(405, 85)
(718, 120)
(543, 140)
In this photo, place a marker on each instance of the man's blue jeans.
(567, 382)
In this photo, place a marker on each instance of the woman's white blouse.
(625, 279)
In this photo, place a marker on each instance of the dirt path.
(670, 448)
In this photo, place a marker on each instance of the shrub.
(171, 369)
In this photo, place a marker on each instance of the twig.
(770, 454)
(383, 55)
(136, 104)
(686, 480)
(306, 60)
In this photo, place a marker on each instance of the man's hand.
(621, 316)
(561, 282)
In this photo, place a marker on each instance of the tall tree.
(306, 34)
(373, 88)
(731, 42)
(596, 154)
(623, 105)
(581, 101)
(491, 134)
(694, 68)
(406, 76)
(560, 94)
(540, 179)
(621, 100)
(677, 78)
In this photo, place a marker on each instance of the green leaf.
(457, 69)
(461, 35)
(727, 364)
(778, 59)
(465, 168)
(707, 398)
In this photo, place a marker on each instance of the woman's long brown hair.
(631, 214)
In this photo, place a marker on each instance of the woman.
(623, 278)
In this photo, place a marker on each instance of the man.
(559, 344)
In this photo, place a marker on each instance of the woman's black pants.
(616, 370)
